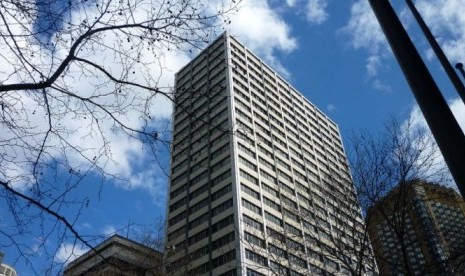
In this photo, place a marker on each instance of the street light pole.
(439, 117)
(454, 78)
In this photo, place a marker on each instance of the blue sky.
(330, 50)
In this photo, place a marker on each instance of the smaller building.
(6, 270)
(418, 229)
(118, 256)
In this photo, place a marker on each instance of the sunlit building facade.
(259, 178)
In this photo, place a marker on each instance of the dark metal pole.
(459, 66)
(441, 121)
(454, 78)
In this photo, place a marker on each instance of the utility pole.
(439, 117)
(459, 66)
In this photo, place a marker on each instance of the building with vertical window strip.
(259, 179)
(419, 229)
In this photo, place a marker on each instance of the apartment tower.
(419, 229)
(259, 178)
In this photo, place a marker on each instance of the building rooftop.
(117, 255)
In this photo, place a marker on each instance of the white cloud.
(68, 252)
(446, 19)
(291, 3)
(456, 105)
(458, 109)
(87, 225)
(116, 152)
(381, 86)
(331, 107)
(372, 66)
(316, 11)
(364, 30)
(365, 33)
(262, 30)
(109, 230)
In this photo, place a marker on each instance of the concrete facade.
(259, 174)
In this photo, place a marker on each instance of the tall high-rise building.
(259, 179)
(419, 229)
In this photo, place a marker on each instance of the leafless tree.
(73, 76)
(389, 163)
(332, 236)
(335, 235)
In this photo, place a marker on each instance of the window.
(248, 177)
(199, 220)
(285, 176)
(272, 204)
(222, 259)
(293, 230)
(199, 178)
(270, 190)
(223, 191)
(247, 163)
(252, 239)
(219, 165)
(278, 269)
(198, 192)
(252, 207)
(178, 191)
(277, 251)
(273, 219)
(254, 257)
(252, 223)
(250, 191)
(268, 176)
(199, 205)
(222, 223)
(178, 204)
(295, 245)
(251, 272)
(286, 188)
(178, 218)
(289, 202)
(297, 261)
(292, 215)
(220, 178)
(177, 233)
(222, 241)
(266, 163)
(274, 234)
(222, 207)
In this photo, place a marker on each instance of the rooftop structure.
(117, 256)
